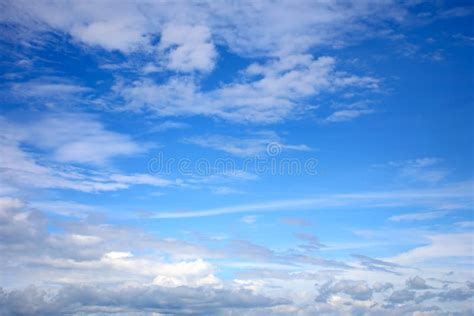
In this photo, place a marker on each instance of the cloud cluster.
(120, 264)
(246, 27)
(131, 299)
(357, 290)
(181, 42)
(269, 92)
(283, 77)
(384, 298)
(79, 147)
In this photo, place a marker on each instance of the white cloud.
(94, 251)
(277, 87)
(187, 273)
(224, 190)
(169, 125)
(245, 27)
(48, 87)
(132, 298)
(401, 296)
(357, 290)
(271, 91)
(67, 138)
(251, 28)
(347, 115)
(114, 255)
(382, 286)
(183, 273)
(438, 197)
(165, 275)
(19, 170)
(76, 138)
(417, 283)
(459, 11)
(311, 241)
(419, 169)
(8, 202)
(65, 208)
(418, 216)
(440, 246)
(140, 179)
(249, 219)
(149, 68)
(84, 240)
(296, 221)
(422, 169)
(346, 112)
(245, 146)
(100, 255)
(120, 35)
(110, 25)
(178, 96)
(465, 224)
(188, 48)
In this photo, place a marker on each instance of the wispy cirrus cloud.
(73, 142)
(252, 145)
(439, 246)
(296, 221)
(49, 88)
(347, 115)
(72, 138)
(373, 264)
(312, 241)
(427, 197)
(425, 169)
(169, 125)
(422, 216)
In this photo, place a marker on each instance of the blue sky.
(236, 158)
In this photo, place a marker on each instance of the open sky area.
(236, 157)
